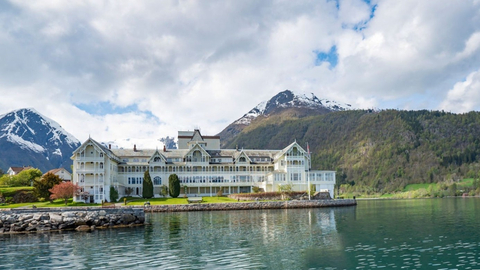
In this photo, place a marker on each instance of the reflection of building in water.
(200, 164)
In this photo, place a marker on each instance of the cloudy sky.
(145, 69)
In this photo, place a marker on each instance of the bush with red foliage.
(64, 190)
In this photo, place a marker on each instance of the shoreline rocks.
(59, 219)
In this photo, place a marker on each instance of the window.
(156, 159)
(101, 154)
(157, 180)
(242, 159)
(101, 165)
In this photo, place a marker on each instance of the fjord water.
(375, 234)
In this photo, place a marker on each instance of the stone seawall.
(82, 219)
(250, 205)
(279, 196)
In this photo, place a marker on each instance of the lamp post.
(308, 183)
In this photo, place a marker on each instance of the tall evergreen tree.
(147, 186)
(173, 186)
(113, 194)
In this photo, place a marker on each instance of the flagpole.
(308, 171)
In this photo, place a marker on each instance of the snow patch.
(288, 99)
(25, 144)
(57, 152)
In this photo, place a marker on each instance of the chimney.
(164, 148)
(135, 148)
(109, 146)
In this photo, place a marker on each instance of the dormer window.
(242, 159)
(156, 159)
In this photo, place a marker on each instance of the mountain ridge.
(28, 138)
(289, 103)
(379, 151)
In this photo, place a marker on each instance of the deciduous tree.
(64, 190)
(41, 187)
(173, 186)
(164, 191)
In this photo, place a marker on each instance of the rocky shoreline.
(250, 205)
(91, 218)
(60, 219)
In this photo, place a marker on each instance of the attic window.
(101, 154)
(242, 159)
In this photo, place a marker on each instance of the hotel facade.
(202, 167)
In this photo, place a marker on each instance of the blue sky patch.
(104, 108)
(331, 57)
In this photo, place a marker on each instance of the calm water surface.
(376, 234)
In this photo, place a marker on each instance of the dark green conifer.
(147, 186)
(173, 186)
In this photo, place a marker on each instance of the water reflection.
(420, 234)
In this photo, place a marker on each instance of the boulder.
(128, 218)
(31, 228)
(54, 217)
(83, 228)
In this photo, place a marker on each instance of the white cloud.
(187, 64)
(464, 96)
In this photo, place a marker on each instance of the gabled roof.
(54, 171)
(157, 154)
(197, 147)
(286, 149)
(197, 137)
(242, 154)
(102, 148)
(17, 170)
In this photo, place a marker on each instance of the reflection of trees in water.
(174, 225)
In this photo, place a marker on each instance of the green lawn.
(154, 201)
(56, 203)
(412, 187)
(466, 182)
(10, 191)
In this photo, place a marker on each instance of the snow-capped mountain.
(289, 99)
(303, 105)
(28, 138)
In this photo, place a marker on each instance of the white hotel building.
(200, 164)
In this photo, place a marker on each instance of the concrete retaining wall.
(250, 205)
(84, 219)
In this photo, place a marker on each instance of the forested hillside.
(378, 151)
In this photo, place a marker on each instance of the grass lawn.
(466, 182)
(153, 201)
(10, 191)
(56, 203)
(412, 187)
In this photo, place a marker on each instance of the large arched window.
(157, 180)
